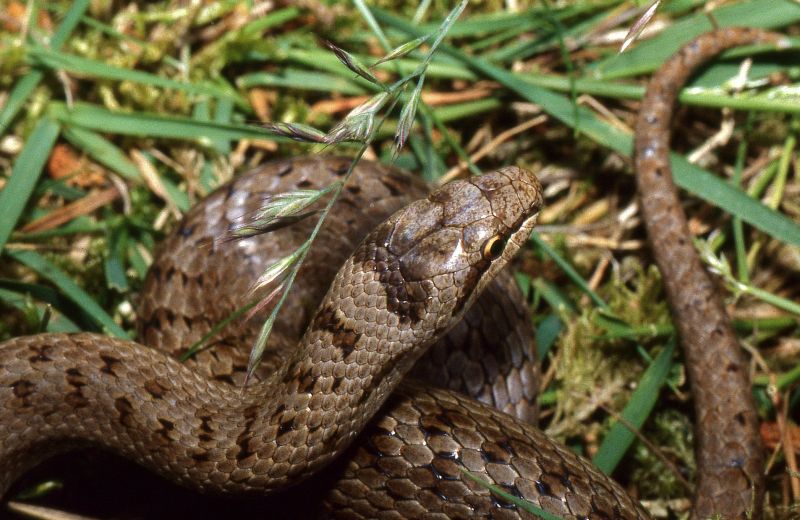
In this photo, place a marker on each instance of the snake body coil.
(729, 451)
(405, 446)
(409, 281)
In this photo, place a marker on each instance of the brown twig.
(64, 214)
(491, 145)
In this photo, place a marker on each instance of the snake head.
(433, 257)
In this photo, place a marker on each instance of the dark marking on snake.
(565, 480)
(125, 410)
(511, 489)
(307, 380)
(391, 183)
(155, 272)
(543, 488)
(40, 354)
(225, 378)
(432, 426)
(285, 426)
(339, 169)
(343, 337)
(278, 413)
(75, 398)
(166, 427)
(75, 378)
(186, 231)
(155, 388)
(447, 455)
(110, 364)
(506, 445)
(201, 456)
(494, 453)
(400, 296)
(246, 435)
(371, 447)
(245, 450)
(444, 419)
(169, 273)
(470, 283)
(230, 190)
(285, 169)
(22, 389)
(205, 424)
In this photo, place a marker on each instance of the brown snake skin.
(497, 364)
(729, 451)
(405, 285)
(414, 275)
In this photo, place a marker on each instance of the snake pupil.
(493, 247)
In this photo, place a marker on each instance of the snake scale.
(339, 393)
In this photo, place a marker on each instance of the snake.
(416, 285)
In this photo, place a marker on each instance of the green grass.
(130, 95)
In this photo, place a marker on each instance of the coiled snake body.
(406, 284)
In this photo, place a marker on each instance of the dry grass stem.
(153, 181)
(456, 171)
(64, 214)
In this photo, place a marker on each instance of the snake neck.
(369, 330)
(403, 287)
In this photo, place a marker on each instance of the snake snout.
(467, 223)
(515, 194)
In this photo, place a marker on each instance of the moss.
(593, 370)
(670, 431)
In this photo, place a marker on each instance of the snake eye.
(493, 247)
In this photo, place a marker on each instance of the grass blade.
(568, 270)
(647, 55)
(19, 94)
(114, 263)
(89, 68)
(70, 289)
(22, 300)
(222, 114)
(508, 497)
(25, 86)
(103, 151)
(619, 438)
(692, 178)
(68, 24)
(153, 125)
(299, 79)
(547, 332)
(24, 175)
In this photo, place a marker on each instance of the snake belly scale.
(404, 445)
